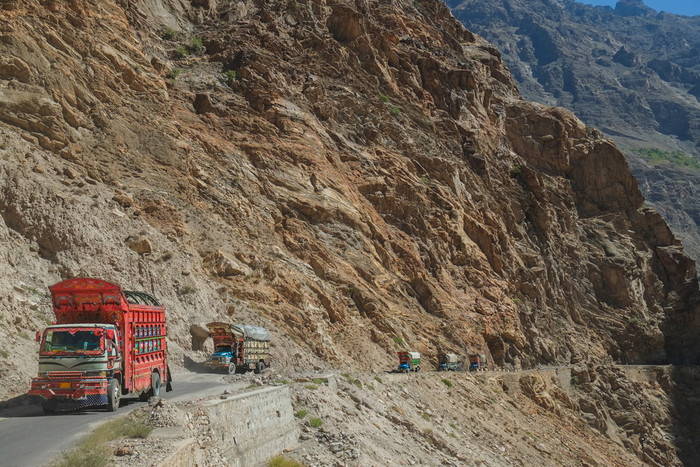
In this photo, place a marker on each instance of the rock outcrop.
(630, 71)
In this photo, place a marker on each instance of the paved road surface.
(30, 438)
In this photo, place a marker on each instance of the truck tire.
(417, 368)
(114, 393)
(259, 368)
(231, 368)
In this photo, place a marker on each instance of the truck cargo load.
(105, 343)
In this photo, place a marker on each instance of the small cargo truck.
(239, 348)
(105, 343)
(408, 361)
(448, 362)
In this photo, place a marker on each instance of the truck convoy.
(106, 342)
(239, 348)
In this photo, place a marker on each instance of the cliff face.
(630, 71)
(369, 177)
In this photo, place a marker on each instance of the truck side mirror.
(38, 336)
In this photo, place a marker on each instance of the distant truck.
(448, 362)
(409, 361)
(239, 348)
(477, 362)
(105, 343)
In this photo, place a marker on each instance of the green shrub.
(634, 321)
(196, 46)
(379, 380)
(315, 422)
(282, 381)
(301, 413)
(174, 73)
(384, 98)
(3, 353)
(181, 52)
(395, 111)
(281, 461)
(313, 387)
(318, 381)
(574, 380)
(398, 342)
(229, 76)
(169, 34)
(516, 171)
(425, 180)
(447, 383)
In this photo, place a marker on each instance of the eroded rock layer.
(357, 176)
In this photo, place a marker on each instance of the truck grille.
(65, 374)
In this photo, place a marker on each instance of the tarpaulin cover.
(254, 332)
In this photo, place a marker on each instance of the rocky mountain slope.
(629, 71)
(359, 177)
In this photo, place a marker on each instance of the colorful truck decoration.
(448, 362)
(409, 361)
(477, 362)
(239, 348)
(106, 342)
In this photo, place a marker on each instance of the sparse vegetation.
(351, 291)
(634, 321)
(425, 180)
(447, 383)
(229, 76)
(516, 171)
(301, 413)
(282, 381)
(379, 380)
(3, 353)
(395, 111)
(174, 73)
(657, 156)
(398, 342)
(318, 381)
(315, 422)
(93, 451)
(282, 461)
(313, 387)
(196, 46)
(574, 380)
(384, 98)
(169, 34)
(181, 53)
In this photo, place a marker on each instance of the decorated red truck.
(106, 342)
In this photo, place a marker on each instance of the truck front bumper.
(69, 389)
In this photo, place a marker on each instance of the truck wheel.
(259, 368)
(48, 406)
(114, 393)
(417, 368)
(155, 385)
(231, 368)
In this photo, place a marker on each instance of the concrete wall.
(253, 427)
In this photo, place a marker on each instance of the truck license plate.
(64, 385)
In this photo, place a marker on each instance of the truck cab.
(76, 362)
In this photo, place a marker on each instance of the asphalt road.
(30, 438)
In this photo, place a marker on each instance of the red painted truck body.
(106, 342)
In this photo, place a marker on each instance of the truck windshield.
(73, 341)
(223, 348)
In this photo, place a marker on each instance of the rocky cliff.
(356, 176)
(630, 71)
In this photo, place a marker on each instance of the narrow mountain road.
(28, 437)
